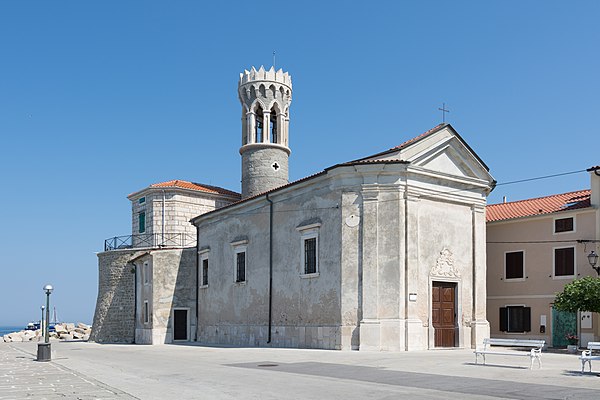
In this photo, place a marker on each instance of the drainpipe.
(163, 219)
(270, 265)
(135, 299)
(197, 281)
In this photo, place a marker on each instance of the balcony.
(150, 240)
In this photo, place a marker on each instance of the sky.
(101, 99)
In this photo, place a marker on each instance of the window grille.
(310, 256)
(240, 267)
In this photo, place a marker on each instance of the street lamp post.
(593, 259)
(44, 352)
(42, 320)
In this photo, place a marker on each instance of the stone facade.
(114, 318)
(168, 208)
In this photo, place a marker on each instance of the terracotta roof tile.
(538, 206)
(417, 138)
(178, 183)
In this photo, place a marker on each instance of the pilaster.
(369, 325)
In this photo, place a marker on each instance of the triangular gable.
(440, 149)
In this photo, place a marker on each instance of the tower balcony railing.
(150, 240)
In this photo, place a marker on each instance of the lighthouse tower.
(265, 97)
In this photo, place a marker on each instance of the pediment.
(442, 151)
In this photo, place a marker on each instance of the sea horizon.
(6, 329)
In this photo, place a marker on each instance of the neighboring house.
(382, 253)
(535, 247)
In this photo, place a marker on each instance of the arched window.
(273, 126)
(258, 126)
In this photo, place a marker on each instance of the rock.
(66, 336)
(81, 325)
(59, 328)
(70, 326)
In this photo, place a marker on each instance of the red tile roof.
(417, 138)
(178, 183)
(538, 206)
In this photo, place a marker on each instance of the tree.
(580, 295)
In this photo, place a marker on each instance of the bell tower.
(266, 97)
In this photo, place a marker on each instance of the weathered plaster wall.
(174, 284)
(306, 309)
(114, 315)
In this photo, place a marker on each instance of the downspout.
(270, 265)
(197, 281)
(135, 299)
(163, 220)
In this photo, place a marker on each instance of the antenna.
(274, 60)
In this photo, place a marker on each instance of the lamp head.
(48, 289)
(593, 258)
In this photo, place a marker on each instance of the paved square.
(91, 371)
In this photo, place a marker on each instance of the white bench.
(587, 355)
(534, 346)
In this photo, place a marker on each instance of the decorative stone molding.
(444, 266)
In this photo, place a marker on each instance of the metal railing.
(155, 240)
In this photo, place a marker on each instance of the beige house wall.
(536, 238)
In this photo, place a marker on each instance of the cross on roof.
(444, 111)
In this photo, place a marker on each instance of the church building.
(386, 252)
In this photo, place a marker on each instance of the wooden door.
(443, 312)
(180, 324)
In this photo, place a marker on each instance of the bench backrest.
(515, 342)
(593, 345)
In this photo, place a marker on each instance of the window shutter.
(526, 319)
(503, 319)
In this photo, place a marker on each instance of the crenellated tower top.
(266, 75)
(266, 96)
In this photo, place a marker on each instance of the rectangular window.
(240, 270)
(146, 273)
(142, 200)
(309, 249)
(564, 261)
(515, 319)
(310, 255)
(142, 222)
(563, 225)
(146, 312)
(514, 265)
(205, 272)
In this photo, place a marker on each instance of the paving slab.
(196, 372)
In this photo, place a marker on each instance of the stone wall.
(115, 306)
(258, 173)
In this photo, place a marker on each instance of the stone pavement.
(91, 371)
(21, 377)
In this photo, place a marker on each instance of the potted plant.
(573, 340)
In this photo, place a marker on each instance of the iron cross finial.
(444, 111)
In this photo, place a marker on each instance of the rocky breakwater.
(67, 331)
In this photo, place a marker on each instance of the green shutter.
(142, 222)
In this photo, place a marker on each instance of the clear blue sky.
(100, 99)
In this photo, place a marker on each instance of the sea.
(5, 330)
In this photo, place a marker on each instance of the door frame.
(458, 339)
(187, 323)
